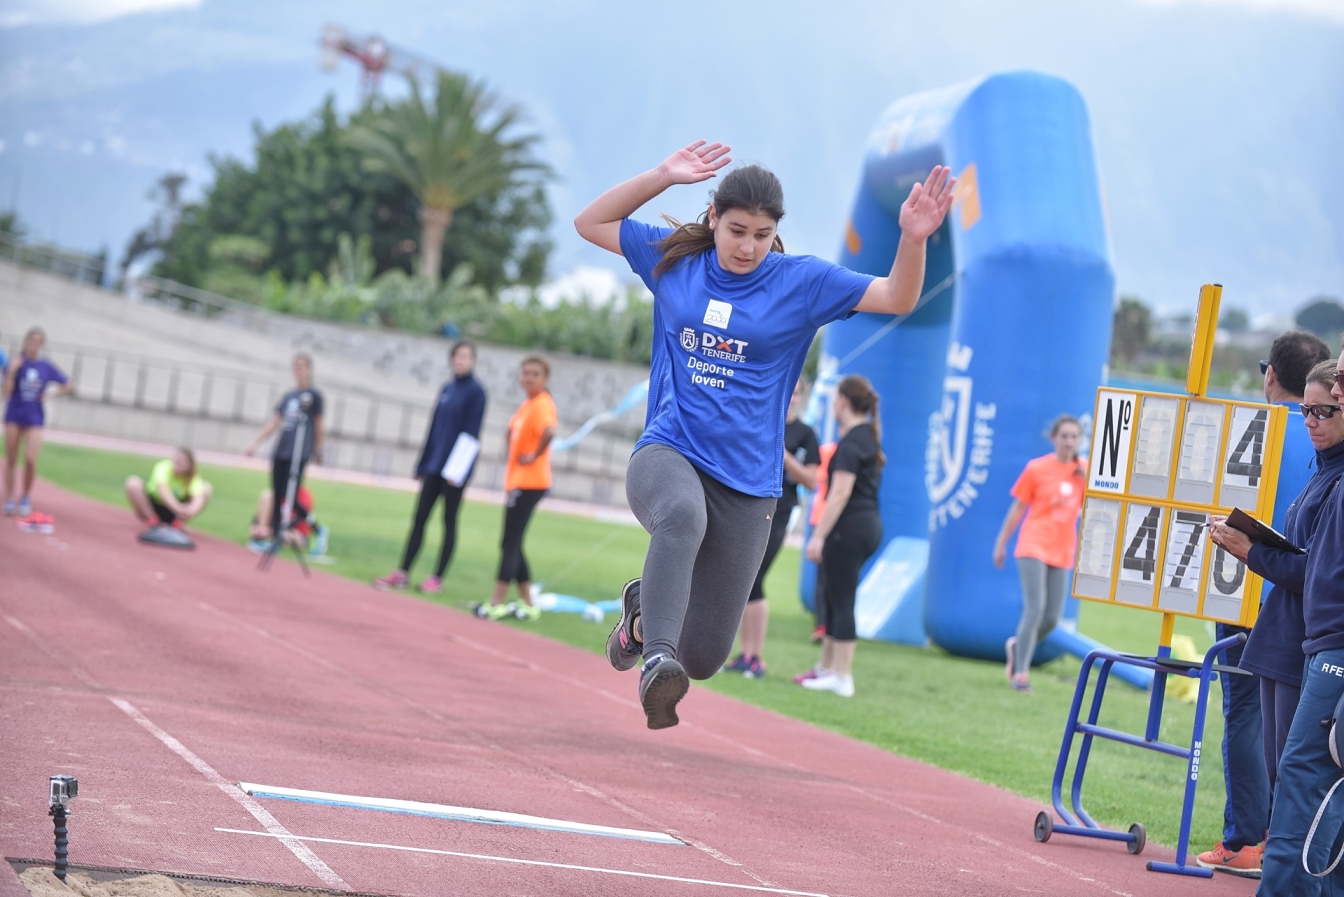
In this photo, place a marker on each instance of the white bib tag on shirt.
(718, 313)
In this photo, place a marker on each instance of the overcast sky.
(1219, 124)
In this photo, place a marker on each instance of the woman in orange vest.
(527, 479)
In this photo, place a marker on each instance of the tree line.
(414, 213)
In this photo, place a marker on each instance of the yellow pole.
(1168, 629)
(1201, 346)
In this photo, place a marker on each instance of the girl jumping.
(733, 318)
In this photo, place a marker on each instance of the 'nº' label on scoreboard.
(1108, 467)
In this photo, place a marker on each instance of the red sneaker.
(1245, 862)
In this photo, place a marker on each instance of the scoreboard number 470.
(1159, 466)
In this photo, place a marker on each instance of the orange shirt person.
(1049, 493)
(527, 479)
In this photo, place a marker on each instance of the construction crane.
(374, 56)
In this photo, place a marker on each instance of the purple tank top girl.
(25, 402)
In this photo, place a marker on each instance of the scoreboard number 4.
(1244, 468)
(1138, 563)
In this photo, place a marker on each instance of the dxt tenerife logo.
(961, 443)
(711, 345)
(723, 348)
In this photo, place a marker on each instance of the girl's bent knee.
(701, 668)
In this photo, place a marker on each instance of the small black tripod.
(63, 789)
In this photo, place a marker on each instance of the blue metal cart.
(1077, 822)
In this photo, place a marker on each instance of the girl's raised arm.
(922, 213)
(600, 222)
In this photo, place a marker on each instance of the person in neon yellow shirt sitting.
(174, 492)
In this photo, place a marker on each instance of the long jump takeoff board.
(1159, 467)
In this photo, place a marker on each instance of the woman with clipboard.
(445, 466)
(1274, 649)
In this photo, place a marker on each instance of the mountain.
(1219, 127)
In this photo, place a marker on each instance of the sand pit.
(42, 882)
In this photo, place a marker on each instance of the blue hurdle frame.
(1078, 822)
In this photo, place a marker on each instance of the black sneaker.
(622, 649)
(662, 684)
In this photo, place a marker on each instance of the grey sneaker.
(661, 685)
(622, 649)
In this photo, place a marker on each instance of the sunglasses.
(1320, 412)
(1264, 366)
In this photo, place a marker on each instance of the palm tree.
(449, 153)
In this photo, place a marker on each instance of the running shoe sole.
(660, 691)
(620, 658)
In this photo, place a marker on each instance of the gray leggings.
(1042, 603)
(706, 544)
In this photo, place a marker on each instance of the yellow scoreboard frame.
(1159, 466)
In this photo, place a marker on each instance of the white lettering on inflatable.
(965, 490)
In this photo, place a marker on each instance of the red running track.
(160, 679)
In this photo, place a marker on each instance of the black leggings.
(432, 486)
(779, 528)
(280, 468)
(517, 512)
(853, 541)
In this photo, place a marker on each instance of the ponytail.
(750, 188)
(858, 392)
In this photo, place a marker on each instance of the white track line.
(482, 856)
(463, 814)
(260, 813)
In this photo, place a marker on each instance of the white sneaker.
(829, 681)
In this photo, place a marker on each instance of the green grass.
(921, 703)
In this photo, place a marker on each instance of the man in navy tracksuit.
(1306, 770)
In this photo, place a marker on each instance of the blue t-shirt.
(727, 350)
(1296, 465)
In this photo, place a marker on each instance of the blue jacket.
(1275, 648)
(1323, 592)
(460, 410)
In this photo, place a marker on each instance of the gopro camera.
(63, 789)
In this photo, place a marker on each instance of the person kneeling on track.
(304, 532)
(173, 494)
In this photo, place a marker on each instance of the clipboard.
(1259, 532)
(460, 459)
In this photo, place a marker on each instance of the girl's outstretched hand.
(698, 162)
(924, 209)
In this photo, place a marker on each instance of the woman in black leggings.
(459, 412)
(850, 529)
(527, 479)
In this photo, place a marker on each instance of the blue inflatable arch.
(1014, 329)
